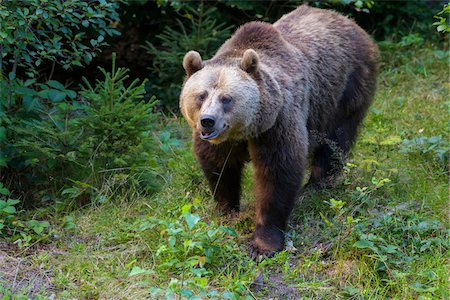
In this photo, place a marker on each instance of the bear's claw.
(260, 250)
(259, 255)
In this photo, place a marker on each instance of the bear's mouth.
(209, 135)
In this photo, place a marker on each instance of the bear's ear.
(192, 62)
(250, 61)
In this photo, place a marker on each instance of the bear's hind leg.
(330, 155)
(222, 165)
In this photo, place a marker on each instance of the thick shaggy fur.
(303, 88)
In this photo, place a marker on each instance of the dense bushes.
(58, 142)
(107, 131)
(69, 33)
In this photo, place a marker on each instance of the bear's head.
(222, 100)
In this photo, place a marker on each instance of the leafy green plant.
(357, 5)
(197, 30)
(406, 41)
(12, 226)
(34, 31)
(345, 216)
(433, 148)
(7, 209)
(442, 23)
(190, 249)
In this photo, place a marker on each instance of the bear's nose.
(207, 121)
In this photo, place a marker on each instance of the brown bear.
(272, 94)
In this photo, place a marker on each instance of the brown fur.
(277, 92)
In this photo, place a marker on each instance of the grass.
(381, 232)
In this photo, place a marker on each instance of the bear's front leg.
(279, 162)
(222, 165)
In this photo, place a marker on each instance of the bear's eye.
(201, 97)
(226, 99)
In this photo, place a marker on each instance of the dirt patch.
(274, 287)
(20, 273)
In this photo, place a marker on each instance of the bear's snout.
(211, 127)
(208, 122)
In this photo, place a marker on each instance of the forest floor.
(380, 232)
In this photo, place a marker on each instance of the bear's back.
(260, 36)
(338, 52)
(322, 33)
